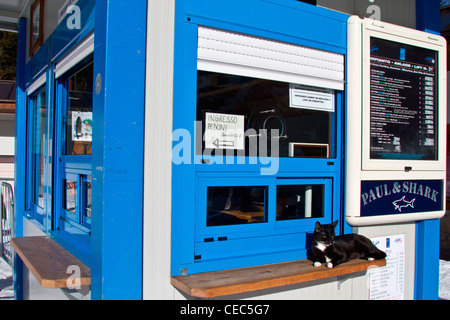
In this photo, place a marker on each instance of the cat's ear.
(334, 224)
(318, 227)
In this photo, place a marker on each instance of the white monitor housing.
(395, 125)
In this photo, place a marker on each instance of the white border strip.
(84, 49)
(37, 84)
(241, 54)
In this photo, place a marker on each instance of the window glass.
(236, 205)
(38, 145)
(300, 202)
(88, 197)
(302, 116)
(79, 112)
(70, 195)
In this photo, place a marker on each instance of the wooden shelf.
(226, 282)
(48, 261)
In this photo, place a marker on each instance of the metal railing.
(7, 221)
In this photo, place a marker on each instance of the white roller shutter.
(80, 52)
(234, 53)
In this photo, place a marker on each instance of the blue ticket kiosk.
(168, 139)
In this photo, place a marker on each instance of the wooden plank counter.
(226, 282)
(48, 261)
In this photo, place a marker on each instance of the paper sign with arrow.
(224, 131)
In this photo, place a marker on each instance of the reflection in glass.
(236, 205)
(70, 195)
(40, 114)
(300, 131)
(79, 112)
(300, 202)
(87, 211)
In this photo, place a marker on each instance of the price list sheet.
(388, 283)
(403, 102)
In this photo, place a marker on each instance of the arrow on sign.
(223, 143)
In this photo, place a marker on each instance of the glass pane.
(87, 212)
(79, 112)
(40, 113)
(236, 205)
(70, 195)
(302, 129)
(300, 202)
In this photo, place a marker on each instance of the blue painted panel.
(427, 260)
(290, 21)
(36, 65)
(428, 15)
(64, 38)
(184, 98)
(118, 148)
(257, 247)
(20, 160)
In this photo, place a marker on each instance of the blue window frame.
(242, 216)
(252, 217)
(236, 216)
(36, 157)
(235, 65)
(73, 145)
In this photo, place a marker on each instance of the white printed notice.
(307, 97)
(81, 126)
(388, 282)
(224, 131)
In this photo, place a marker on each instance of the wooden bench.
(49, 262)
(226, 282)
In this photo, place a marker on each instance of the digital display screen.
(403, 101)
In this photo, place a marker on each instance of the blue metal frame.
(69, 225)
(115, 250)
(34, 211)
(20, 133)
(293, 22)
(117, 176)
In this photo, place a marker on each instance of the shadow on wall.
(445, 237)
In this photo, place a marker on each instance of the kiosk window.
(300, 202)
(77, 201)
(300, 118)
(39, 117)
(70, 195)
(79, 113)
(37, 142)
(236, 205)
(88, 197)
(75, 147)
(279, 100)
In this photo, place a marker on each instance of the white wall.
(158, 151)
(7, 134)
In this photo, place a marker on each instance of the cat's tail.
(377, 254)
(372, 251)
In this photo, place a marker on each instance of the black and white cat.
(327, 248)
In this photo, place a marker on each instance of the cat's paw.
(371, 259)
(317, 264)
(329, 265)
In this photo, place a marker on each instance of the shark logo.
(402, 203)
